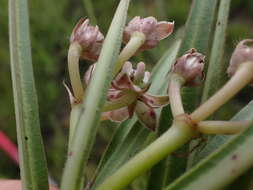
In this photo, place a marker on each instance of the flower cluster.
(154, 31)
(128, 94)
(128, 91)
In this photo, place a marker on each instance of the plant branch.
(175, 85)
(222, 127)
(240, 79)
(179, 133)
(136, 41)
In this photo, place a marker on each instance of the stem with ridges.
(222, 127)
(179, 133)
(136, 41)
(175, 85)
(73, 66)
(240, 79)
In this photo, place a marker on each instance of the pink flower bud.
(190, 66)
(154, 31)
(242, 53)
(89, 38)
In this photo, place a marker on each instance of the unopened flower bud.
(89, 38)
(242, 53)
(190, 66)
(154, 31)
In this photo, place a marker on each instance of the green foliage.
(31, 151)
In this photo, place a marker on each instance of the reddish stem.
(9, 147)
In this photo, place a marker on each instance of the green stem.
(175, 137)
(222, 127)
(136, 41)
(73, 66)
(74, 117)
(175, 85)
(240, 79)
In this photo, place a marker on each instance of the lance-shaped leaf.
(31, 152)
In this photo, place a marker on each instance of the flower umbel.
(190, 67)
(89, 38)
(154, 31)
(128, 94)
(242, 53)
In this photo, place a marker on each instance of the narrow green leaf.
(162, 68)
(199, 26)
(132, 144)
(31, 152)
(123, 135)
(197, 35)
(216, 65)
(95, 98)
(226, 164)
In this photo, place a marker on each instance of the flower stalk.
(73, 66)
(175, 84)
(136, 41)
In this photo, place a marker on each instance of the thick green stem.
(136, 41)
(74, 73)
(222, 127)
(171, 140)
(240, 79)
(175, 85)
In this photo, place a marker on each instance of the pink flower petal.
(154, 101)
(164, 29)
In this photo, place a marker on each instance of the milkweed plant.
(158, 112)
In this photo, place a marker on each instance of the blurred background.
(51, 25)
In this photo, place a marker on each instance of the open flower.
(242, 53)
(190, 67)
(128, 94)
(154, 31)
(89, 38)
